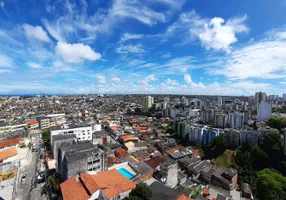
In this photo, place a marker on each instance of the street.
(29, 189)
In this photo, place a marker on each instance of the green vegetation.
(275, 122)
(46, 136)
(140, 192)
(270, 185)
(54, 183)
(279, 110)
(170, 129)
(30, 145)
(219, 143)
(226, 159)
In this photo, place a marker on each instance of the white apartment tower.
(236, 120)
(260, 96)
(148, 102)
(219, 102)
(263, 111)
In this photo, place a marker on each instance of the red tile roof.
(112, 183)
(10, 142)
(73, 190)
(89, 182)
(30, 122)
(121, 152)
(7, 153)
(183, 197)
(155, 162)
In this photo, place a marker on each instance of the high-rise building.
(263, 111)
(251, 100)
(148, 102)
(284, 97)
(271, 97)
(219, 101)
(260, 96)
(236, 120)
(220, 120)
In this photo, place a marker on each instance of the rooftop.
(7, 153)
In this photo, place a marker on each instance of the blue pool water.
(125, 173)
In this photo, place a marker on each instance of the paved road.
(29, 189)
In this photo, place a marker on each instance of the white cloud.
(148, 79)
(115, 78)
(167, 55)
(77, 23)
(174, 4)
(101, 78)
(59, 66)
(283, 82)
(5, 61)
(219, 35)
(135, 62)
(215, 33)
(36, 32)
(128, 36)
(188, 80)
(2, 71)
(135, 10)
(171, 82)
(34, 65)
(76, 53)
(130, 48)
(264, 59)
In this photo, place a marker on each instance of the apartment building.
(82, 131)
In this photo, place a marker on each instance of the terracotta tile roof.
(73, 190)
(112, 183)
(155, 162)
(206, 192)
(7, 153)
(30, 122)
(128, 137)
(111, 160)
(183, 197)
(121, 152)
(89, 182)
(10, 142)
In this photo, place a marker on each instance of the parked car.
(23, 177)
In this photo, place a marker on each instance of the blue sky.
(217, 47)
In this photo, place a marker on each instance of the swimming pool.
(125, 173)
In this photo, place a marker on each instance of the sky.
(194, 47)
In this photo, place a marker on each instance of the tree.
(275, 122)
(270, 185)
(46, 136)
(220, 143)
(259, 158)
(140, 192)
(53, 182)
(170, 129)
(272, 145)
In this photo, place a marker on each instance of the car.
(23, 177)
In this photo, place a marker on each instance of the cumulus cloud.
(189, 81)
(171, 82)
(76, 53)
(101, 78)
(148, 79)
(34, 65)
(215, 33)
(264, 59)
(130, 48)
(36, 32)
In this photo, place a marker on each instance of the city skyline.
(148, 47)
